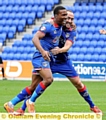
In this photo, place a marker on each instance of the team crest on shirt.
(67, 35)
(55, 32)
(45, 64)
(43, 28)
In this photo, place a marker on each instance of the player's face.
(61, 17)
(70, 19)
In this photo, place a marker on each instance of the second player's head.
(70, 19)
(60, 15)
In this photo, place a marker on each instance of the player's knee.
(48, 81)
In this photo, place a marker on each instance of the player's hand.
(102, 31)
(55, 51)
(46, 55)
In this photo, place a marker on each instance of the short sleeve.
(72, 36)
(45, 27)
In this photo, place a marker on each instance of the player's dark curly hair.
(57, 9)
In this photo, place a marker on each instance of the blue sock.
(84, 93)
(38, 91)
(23, 107)
(21, 96)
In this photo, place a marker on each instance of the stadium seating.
(90, 17)
(16, 14)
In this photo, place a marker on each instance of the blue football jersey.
(66, 35)
(52, 35)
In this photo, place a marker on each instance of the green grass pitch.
(61, 96)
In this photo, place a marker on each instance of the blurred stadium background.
(19, 21)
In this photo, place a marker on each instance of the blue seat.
(93, 43)
(89, 36)
(9, 8)
(12, 16)
(30, 44)
(102, 58)
(1, 29)
(2, 8)
(27, 49)
(85, 8)
(87, 57)
(28, 8)
(18, 16)
(4, 56)
(5, 2)
(96, 36)
(9, 22)
(91, 29)
(97, 15)
(27, 37)
(29, 57)
(87, 22)
(80, 57)
(101, 22)
(81, 36)
(56, 1)
(83, 50)
(17, 56)
(30, 2)
(31, 18)
(24, 56)
(76, 50)
(74, 57)
(18, 2)
(15, 8)
(3, 22)
(99, 8)
(24, 44)
(10, 56)
(6, 29)
(79, 29)
(77, 14)
(15, 22)
(103, 51)
(24, 2)
(11, 2)
(102, 37)
(22, 9)
(37, 2)
(79, 43)
(78, 9)
(90, 50)
(20, 50)
(102, 15)
(17, 43)
(84, 29)
(7, 50)
(80, 22)
(94, 22)
(90, 15)
(83, 15)
(6, 15)
(92, 8)
(101, 43)
(3, 36)
(86, 43)
(98, 50)
(95, 57)
(14, 49)
(34, 8)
